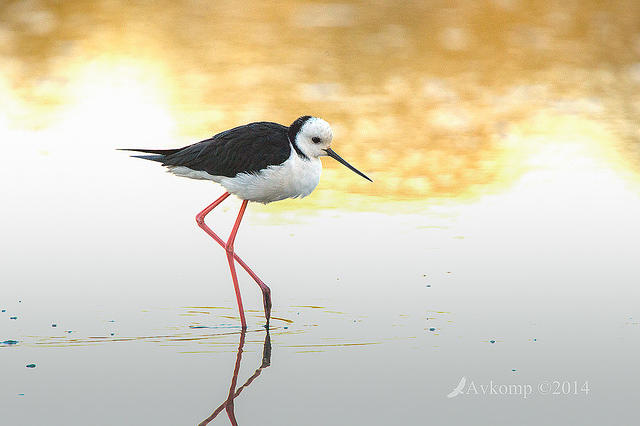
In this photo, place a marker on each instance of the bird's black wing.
(244, 149)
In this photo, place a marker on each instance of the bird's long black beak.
(331, 153)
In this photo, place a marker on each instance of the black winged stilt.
(262, 162)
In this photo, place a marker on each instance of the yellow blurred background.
(436, 100)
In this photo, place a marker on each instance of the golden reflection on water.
(434, 100)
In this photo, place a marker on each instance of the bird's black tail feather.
(159, 154)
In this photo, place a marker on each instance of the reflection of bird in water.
(233, 392)
(261, 162)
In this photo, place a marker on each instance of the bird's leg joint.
(229, 247)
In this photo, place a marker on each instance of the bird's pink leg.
(232, 267)
(266, 292)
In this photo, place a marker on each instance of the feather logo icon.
(458, 390)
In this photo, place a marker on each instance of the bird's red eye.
(315, 139)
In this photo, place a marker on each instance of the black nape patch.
(293, 131)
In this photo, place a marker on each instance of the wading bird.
(261, 162)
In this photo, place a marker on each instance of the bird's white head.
(311, 135)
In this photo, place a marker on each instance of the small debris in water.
(9, 342)
(31, 366)
(69, 331)
(20, 394)
(54, 325)
(513, 369)
(285, 327)
(432, 329)
(4, 310)
(13, 317)
(428, 285)
(535, 340)
(112, 320)
(112, 334)
(492, 341)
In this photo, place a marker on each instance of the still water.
(498, 242)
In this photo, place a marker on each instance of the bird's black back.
(244, 149)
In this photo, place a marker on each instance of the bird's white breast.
(294, 178)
